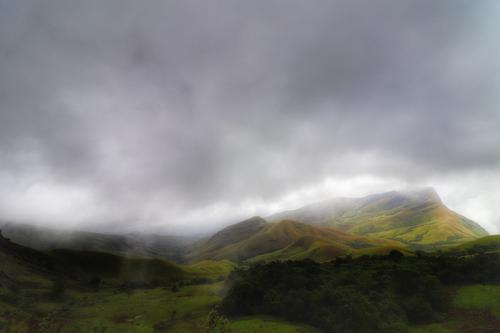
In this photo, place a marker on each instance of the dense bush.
(368, 294)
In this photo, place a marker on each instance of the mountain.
(256, 239)
(372, 224)
(415, 218)
(42, 238)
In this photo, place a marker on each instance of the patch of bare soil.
(474, 321)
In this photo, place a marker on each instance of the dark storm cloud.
(183, 104)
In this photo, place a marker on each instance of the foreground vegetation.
(367, 294)
(80, 291)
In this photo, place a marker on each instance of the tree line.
(366, 294)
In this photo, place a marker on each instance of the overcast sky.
(188, 115)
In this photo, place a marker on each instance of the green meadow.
(479, 297)
(141, 310)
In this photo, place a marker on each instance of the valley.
(89, 282)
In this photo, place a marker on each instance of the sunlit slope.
(211, 268)
(255, 239)
(415, 218)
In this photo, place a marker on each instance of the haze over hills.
(417, 218)
(123, 287)
(19, 259)
(42, 238)
(322, 231)
(373, 224)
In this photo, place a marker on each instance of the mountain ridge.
(415, 217)
(377, 223)
(270, 238)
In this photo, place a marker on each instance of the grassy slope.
(29, 305)
(430, 224)
(228, 238)
(287, 240)
(142, 311)
(145, 309)
(416, 218)
(486, 244)
(326, 247)
(475, 308)
(479, 297)
(211, 269)
(262, 324)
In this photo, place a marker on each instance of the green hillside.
(418, 219)
(254, 239)
(487, 244)
(374, 224)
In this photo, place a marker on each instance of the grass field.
(475, 309)
(146, 309)
(128, 300)
(479, 297)
(487, 244)
(261, 325)
(186, 309)
(139, 311)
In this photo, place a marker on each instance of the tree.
(395, 255)
(58, 288)
(95, 283)
(217, 323)
(173, 314)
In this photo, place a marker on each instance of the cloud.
(164, 113)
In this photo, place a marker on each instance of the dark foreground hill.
(67, 291)
(81, 266)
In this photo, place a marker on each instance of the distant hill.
(378, 223)
(416, 218)
(487, 244)
(255, 239)
(42, 238)
(20, 261)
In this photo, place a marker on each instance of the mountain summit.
(373, 224)
(417, 218)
